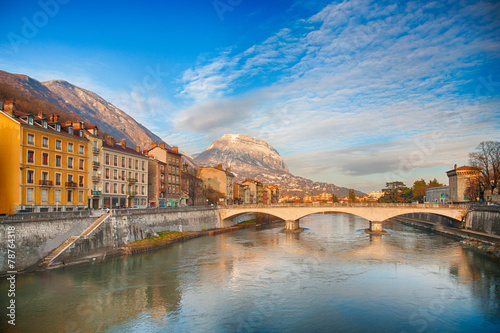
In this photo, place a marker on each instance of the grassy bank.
(164, 238)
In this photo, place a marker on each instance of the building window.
(130, 163)
(106, 187)
(81, 150)
(58, 161)
(31, 139)
(115, 160)
(142, 165)
(31, 156)
(70, 178)
(44, 195)
(45, 175)
(70, 147)
(58, 196)
(123, 162)
(70, 162)
(136, 164)
(136, 177)
(58, 179)
(115, 175)
(80, 181)
(58, 144)
(106, 173)
(123, 174)
(80, 196)
(44, 124)
(80, 164)
(29, 195)
(45, 142)
(169, 169)
(30, 177)
(123, 188)
(58, 127)
(30, 120)
(70, 196)
(142, 190)
(143, 178)
(107, 159)
(45, 158)
(169, 189)
(114, 188)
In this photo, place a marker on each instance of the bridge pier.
(376, 228)
(292, 226)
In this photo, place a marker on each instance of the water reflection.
(263, 280)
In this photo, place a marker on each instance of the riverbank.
(485, 243)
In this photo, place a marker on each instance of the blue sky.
(356, 93)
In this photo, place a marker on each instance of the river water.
(331, 278)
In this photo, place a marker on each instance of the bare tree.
(192, 186)
(487, 159)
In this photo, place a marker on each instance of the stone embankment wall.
(484, 218)
(36, 238)
(439, 219)
(37, 234)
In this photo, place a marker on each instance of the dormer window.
(70, 130)
(58, 127)
(81, 134)
(30, 120)
(44, 123)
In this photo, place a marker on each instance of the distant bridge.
(376, 213)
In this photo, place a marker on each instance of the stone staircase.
(49, 260)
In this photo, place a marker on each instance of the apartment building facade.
(47, 164)
(173, 159)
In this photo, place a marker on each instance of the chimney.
(175, 149)
(154, 144)
(138, 149)
(455, 167)
(162, 145)
(228, 169)
(110, 140)
(123, 143)
(40, 115)
(82, 125)
(9, 107)
(219, 166)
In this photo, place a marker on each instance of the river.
(331, 277)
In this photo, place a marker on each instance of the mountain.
(256, 159)
(74, 103)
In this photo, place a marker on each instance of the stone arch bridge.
(376, 213)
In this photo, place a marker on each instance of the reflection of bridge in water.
(376, 213)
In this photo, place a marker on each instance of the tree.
(419, 187)
(212, 196)
(192, 186)
(394, 193)
(487, 159)
(335, 198)
(352, 196)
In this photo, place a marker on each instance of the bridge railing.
(345, 205)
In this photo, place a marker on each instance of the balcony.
(96, 179)
(131, 193)
(96, 164)
(45, 182)
(132, 180)
(71, 184)
(96, 193)
(95, 150)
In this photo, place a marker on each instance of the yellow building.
(43, 165)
